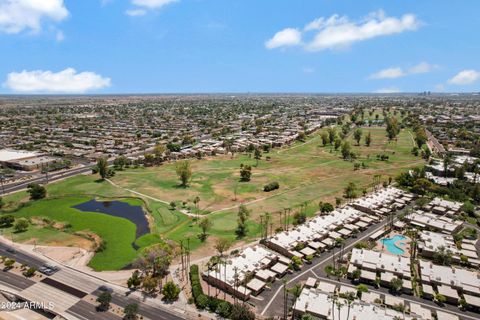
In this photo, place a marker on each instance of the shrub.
(223, 309)
(30, 272)
(202, 301)
(271, 186)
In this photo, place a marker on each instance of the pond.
(119, 209)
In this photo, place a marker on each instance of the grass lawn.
(307, 173)
(117, 233)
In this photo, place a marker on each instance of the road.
(54, 176)
(15, 281)
(71, 276)
(14, 187)
(86, 311)
(270, 303)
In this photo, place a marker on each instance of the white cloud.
(65, 81)
(340, 32)
(286, 38)
(142, 6)
(388, 90)
(390, 73)
(397, 72)
(60, 36)
(422, 67)
(308, 70)
(465, 77)
(337, 32)
(19, 15)
(136, 12)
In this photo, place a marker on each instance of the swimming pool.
(389, 243)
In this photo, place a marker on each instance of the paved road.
(20, 256)
(52, 177)
(19, 283)
(86, 311)
(270, 303)
(15, 281)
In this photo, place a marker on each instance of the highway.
(87, 311)
(14, 281)
(80, 309)
(54, 176)
(14, 187)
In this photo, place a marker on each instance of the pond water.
(392, 247)
(119, 209)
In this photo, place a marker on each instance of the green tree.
(242, 217)
(170, 291)
(245, 173)
(443, 256)
(368, 139)
(36, 191)
(241, 312)
(222, 245)
(346, 150)
(30, 272)
(155, 259)
(393, 129)
(440, 298)
(149, 284)
(357, 135)
(257, 155)
(326, 207)
(205, 224)
(104, 300)
(9, 263)
(20, 225)
(120, 162)
(296, 291)
(158, 151)
(325, 139)
(130, 311)
(102, 167)
(350, 191)
(6, 221)
(420, 136)
(134, 281)
(184, 172)
(332, 134)
(447, 161)
(337, 143)
(302, 136)
(224, 309)
(356, 274)
(361, 288)
(396, 284)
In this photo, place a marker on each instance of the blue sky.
(168, 46)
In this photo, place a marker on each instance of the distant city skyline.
(238, 46)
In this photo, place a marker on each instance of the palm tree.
(447, 160)
(196, 201)
(296, 292)
(350, 298)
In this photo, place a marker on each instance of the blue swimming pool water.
(389, 243)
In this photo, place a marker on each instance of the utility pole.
(263, 229)
(285, 300)
(2, 177)
(181, 259)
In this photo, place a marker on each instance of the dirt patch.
(94, 239)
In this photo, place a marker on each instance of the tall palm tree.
(296, 291)
(447, 160)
